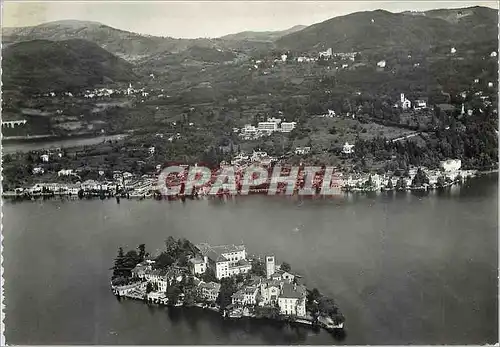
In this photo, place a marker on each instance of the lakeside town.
(128, 185)
(225, 279)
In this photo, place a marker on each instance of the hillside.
(267, 36)
(125, 44)
(41, 65)
(382, 29)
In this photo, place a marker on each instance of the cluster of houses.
(405, 104)
(251, 132)
(278, 288)
(257, 157)
(450, 169)
(125, 182)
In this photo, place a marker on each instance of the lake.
(403, 268)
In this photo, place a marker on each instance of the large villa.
(225, 261)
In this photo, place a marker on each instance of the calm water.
(404, 269)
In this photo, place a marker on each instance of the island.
(224, 279)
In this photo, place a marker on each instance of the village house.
(245, 296)
(65, 172)
(267, 126)
(420, 104)
(292, 300)
(403, 102)
(197, 266)
(347, 148)
(44, 158)
(451, 165)
(302, 150)
(209, 291)
(286, 127)
(270, 290)
(38, 171)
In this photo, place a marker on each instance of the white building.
(453, 50)
(270, 291)
(451, 165)
(286, 127)
(274, 120)
(292, 300)
(419, 104)
(404, 102)
(44, 158)
(65, 172)
(226, 260)
(38, 171)
(347, 149)
(245, 296)
(151, 150)
(209, 291)
(326, 54)
(267, 126)
(302, 150)
(493, 54)
(284, 57)
(381, 64)
(197, 266)
(270, 266)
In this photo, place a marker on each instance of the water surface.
(404, 269)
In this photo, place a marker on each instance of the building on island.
(197, 266)
(209, 291)
(270, 266)
(292, 300)
(226, 260)
(245, 296)
(269, 292)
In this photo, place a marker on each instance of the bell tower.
(270, 265)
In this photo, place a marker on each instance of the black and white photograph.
(249, 172)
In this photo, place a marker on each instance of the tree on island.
(389, 184)
(163, 261)
(173, 292)
(285, 267)
(227, 289)
(440, 182)
(142, 252)
(401, 184)
(258, 268)
(180, 250)
(209, 275)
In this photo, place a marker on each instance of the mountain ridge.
(41, 65)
